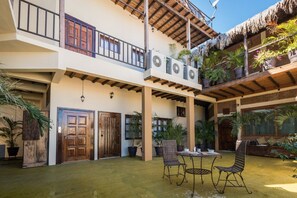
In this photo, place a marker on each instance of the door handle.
(101, 135)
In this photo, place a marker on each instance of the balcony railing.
(79, 36)
(196, 11)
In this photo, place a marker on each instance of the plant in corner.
(134, 130)
(11, 130)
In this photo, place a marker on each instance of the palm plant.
(175, 132)
(10, 131)
(204, 133)
(9, 97)
(236, 58)
(285, 113)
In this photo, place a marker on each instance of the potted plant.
(158, 137)
(217, 75)
(187, 57)
(285, 37)
(11, 131)
(135, 130)
(266, 59)
(175, 132)
(236, 60)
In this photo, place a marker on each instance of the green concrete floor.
(131, 177)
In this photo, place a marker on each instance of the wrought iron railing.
(37, 20)
(81, 37)
(196, 11)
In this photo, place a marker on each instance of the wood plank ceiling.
(128, 87)
(170, 17)
(272, 79)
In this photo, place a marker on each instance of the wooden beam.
(176, 36)
(114, 84)
(164, 96)
(218, 94)
(256, 83)
(137, 6)
(246, 87)
(165, 82)
(234, 89)
(184, 18)
(166, 22)
(171, 26)
(156, 11)
(123, 86)
(185, 88)
(72, 74)
(227, 92)
(291, 77)
(146, 32)
(84, 77)
(157, 80)
(273, 81)
(160, 18)
(181, 26)
(139, 90)
(129, 1)
(131, 88)
(179, 86)
(95, 80)
(171, 85)
(161, 94)
(104, 82)
(191, 89)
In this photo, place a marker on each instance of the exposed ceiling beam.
(128, 3)
(227, 92)
(114, 84)
(104, 82)
(234, 89)
(218, 94)
(256, 83)
(95, 80)
(273, 81)
(45, 78)
(248, 88)
(291, 77)
(131, 88)
(123, 86)
(84, 77)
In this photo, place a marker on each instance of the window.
(109, 43)
(79, 36)
(160, 124)
(137, 57)
(181, 111)
(129, 123)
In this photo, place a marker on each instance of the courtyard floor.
(131, 177)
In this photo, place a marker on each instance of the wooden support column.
(146, 32)
(216, 125)
(246, 56)
(189, 34)
(62, 22)
(190, 113)
(238, 110)
(147, 124)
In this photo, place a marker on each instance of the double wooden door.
(75, 135)
(109, 134)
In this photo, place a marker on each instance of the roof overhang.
(276, 78)
(171, 16)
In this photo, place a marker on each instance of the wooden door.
(76, 135)
(109, 134)
(226, 140)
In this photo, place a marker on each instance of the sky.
(233, 12)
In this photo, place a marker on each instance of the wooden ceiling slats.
(238, 91)
(273, 81)
(248, 88)
(292, 77)
(166, 16)
(258, 84)
(95, 80)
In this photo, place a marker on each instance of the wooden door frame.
(59, 142)
(98, 155)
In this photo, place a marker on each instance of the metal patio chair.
(236, 170)
(170, 159)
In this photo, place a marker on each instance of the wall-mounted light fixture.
(153, 29)
(111, 94)
(82, 98)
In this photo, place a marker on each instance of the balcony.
(85, 39)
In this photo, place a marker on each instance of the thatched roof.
(279, 12)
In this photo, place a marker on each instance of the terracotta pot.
(292, 55)
(238, 72)
(269, 64)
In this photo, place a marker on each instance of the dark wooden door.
(76, 139)
(226, 140)
(109, 134)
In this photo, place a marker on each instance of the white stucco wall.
(67, 94)
(103, 14)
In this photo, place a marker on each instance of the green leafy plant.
(284, 113)
(185, 54)
(218, 74)
(209, 63)
(175, 132)
(204, 132)
(9, 97)
(262, 56)
(135, 128)
(10, 131)
(236, 58)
